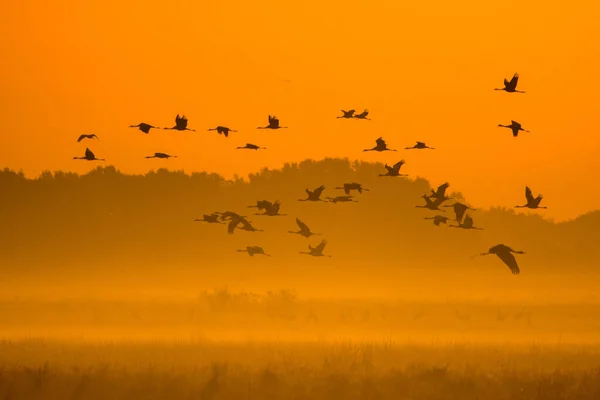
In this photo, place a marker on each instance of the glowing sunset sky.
(425, 70)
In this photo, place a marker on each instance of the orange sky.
(425, 71)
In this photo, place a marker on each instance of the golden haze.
(424, 70)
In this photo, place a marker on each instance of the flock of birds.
(433, 201)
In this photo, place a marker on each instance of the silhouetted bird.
(251, 146)
(381, 146)
(362, 115)
(211, 219)
(261, 204)
(532, 202)
(92, 136)
(352, 186)
(504, 253)
(431, 205)
(515, 127)
(245, 225)
(347, 114)
(181, 124)
(161, 155)
(273, 124)
(440, 192)
(304, 229)
(438, 219)
(252, 250)
(316, 251)
(144, 127)
(466, 224)
(271, 209)
(89, 156)
(222, 130)
(459, 210)
(342, 199)
(419, 145)
(314, 195)
(511, 86)
(229, 215)
(395, 170)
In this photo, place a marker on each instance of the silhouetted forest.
(106, 220)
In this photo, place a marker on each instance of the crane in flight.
(348, 187)
(394, 170)
(222, 130)
(419, 146)
(532, 202)
(304, 229)
(515, 127)
(271, 209)
(347, 114)
(316, 251)
(84, 136)
(363, 115)
(504, 253)
(273, 124)
(314, 195)
(144, 127)
(252, 250)
(342, 199)
(235, 222)
(181, 124)
(89, 156)
(381, 146)
(210, 218)
(229, 215)
(438, 219)
(511, 86)
(251, 146)
(466, 224)
(459, 210)
(432, 205)
(161, 155)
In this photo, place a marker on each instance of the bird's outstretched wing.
(88, 153)
(321, 246)
(380, 142)
(513, 82)
(232, 225)
(510, 261)
(516, 124)
(420, 143)
(399, 164)
(319, 190)
(302, 225)
(528, 194)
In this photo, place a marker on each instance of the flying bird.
(228, 215)
(459, 210)
(532, 202)
(363, 115)
(342, 199)
(381, 146)
(314, 195)
(84, 136)
(438, 219)
(515, 127)
(511, 86)
(352, 186)
(304, 229)
(419, 145)
(252, 250)
(347, 114)
(504, 253)
(251, 146)
(271, 209)
(394, 170)
(440, 192)
(144, 127)
(211, 219)
(432, 205)
(161, 155)
(222, 130)
(273, 124)
(316, 251)
(181, 124)
(235, 222)
(466, 224)
(89, 156)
